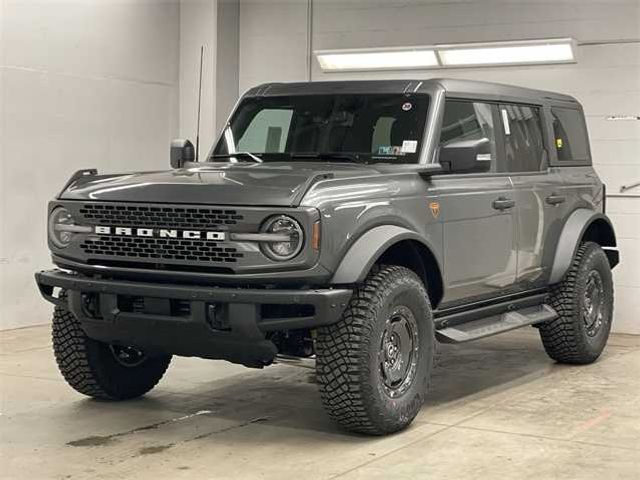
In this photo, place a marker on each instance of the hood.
(268, 184)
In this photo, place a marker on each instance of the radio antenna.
(199, 103)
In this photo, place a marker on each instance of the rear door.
(476, 210)
(538, 191)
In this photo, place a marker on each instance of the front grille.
(161, 249)
(163, 217)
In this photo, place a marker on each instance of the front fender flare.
(364, 252)
(572, 232)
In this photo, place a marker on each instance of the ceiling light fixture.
(507, 53)
(377, 59)
(524, 52)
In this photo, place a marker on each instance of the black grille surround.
(155, 217)
(178, 250)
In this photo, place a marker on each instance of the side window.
(570, 134)
(267, 132)
(524, 142)
(464, 121)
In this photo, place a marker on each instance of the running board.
(495, 324)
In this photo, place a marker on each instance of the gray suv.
(353, 223)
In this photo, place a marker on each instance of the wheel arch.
(583, 225)
(394, 245)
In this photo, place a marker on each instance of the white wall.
(214, 25)
(227, 59)
(198, 28)
(606, 78)
(273, 42)
(90, 83)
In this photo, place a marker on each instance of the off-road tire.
(91, 368)
(566, 338)
(348, 355)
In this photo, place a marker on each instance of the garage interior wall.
(197, 29)
(120, 80)
(606, 78)
(100, 92)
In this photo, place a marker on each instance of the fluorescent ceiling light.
(556, 50)
(507, 53)
(387, 59)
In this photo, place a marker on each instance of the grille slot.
(161, 249)
(164, 217)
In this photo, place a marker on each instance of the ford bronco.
(352, 223)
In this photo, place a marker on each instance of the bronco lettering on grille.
(161, 233)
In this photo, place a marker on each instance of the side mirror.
(467, 156)
(181, 151)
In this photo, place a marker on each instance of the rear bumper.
(190, 320)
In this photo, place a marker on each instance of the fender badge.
(435, 209)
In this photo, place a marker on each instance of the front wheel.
(99, 370)
(374, 364)
(584, 302)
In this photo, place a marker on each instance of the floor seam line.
(32, 349)
(447, 427)
(31, 377)
(342, 474)
(543, 437)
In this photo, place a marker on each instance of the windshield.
(360, 128)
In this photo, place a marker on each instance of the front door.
(477, 211)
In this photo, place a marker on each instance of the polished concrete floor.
(499, 408)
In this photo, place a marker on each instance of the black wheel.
(99, 370)
(584, 302)
(373, 366)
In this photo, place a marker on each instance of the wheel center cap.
(392, 348)
(592, 309)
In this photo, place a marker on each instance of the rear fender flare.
(569, 241)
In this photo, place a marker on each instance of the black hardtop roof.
(452, 87)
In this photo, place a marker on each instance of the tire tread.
(81, 366)
(340, 349)
(563, 338)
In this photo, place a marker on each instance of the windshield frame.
(424, 152)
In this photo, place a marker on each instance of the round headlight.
(59, 218)
(287, 227)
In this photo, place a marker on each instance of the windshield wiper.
(247, 155)
(347, 157)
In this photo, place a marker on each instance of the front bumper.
(191, 320)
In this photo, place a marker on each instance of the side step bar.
(495, 324)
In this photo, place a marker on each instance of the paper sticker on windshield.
(409, 146)
(390, 150)
(406, 106)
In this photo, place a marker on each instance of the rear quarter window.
(523, 138)
(570, 135)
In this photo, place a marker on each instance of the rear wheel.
(374, 365)
(100, 370)
(584, 302)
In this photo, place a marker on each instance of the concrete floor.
(499, 408)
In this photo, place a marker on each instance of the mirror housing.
(466, 156)
(181, 152)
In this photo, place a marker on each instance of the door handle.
(503, 203)
(554, 199)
